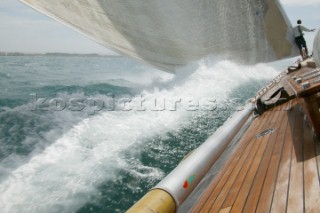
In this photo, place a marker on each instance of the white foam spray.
(65, 174)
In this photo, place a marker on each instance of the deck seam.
(269, 115)
(282, 143)
(255, 172)
(247, 176)
(240, 172)
(240, 169)
(284, 177)
(279, 165)
(208, 198)
(232, 159)
(271, 173)
(252, 146)
(265, 157)
(317, 154)
(311, 184)
(291, 151)
(288, 187)
(295, 193)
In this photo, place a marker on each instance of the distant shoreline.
(56, 54)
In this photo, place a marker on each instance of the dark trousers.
(300, 42)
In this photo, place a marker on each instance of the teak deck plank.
(237, 185)
(225, 210)
(235, 188)
(278, 172)
(265, 200)
(219, 196)
(234, 177)
(258, 182)
(246, 185)
(226, 175)
(317, 151)
(231, 197)
(295, 195)
(279, 200)
(222, 177)
(311, 183)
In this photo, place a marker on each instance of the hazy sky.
(24, 30)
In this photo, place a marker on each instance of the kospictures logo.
(137, 103)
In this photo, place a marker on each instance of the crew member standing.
(299, 39)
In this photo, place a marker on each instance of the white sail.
(171, 33)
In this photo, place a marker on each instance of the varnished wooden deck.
(277, 172)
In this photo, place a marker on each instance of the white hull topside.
(171, 33)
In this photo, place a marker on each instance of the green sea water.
(94, 134)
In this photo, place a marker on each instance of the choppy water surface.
(93, 134)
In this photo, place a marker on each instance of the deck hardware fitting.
(264, 133)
